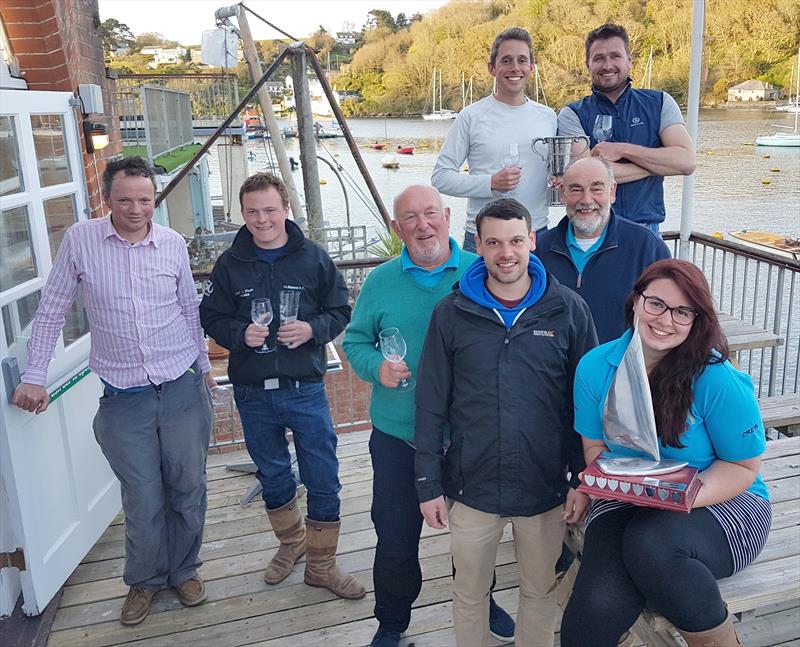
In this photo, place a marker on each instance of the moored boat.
(405, 150)
(390, 161)
(765, 240)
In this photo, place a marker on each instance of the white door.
(60, 492)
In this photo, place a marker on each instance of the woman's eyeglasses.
(681, 315)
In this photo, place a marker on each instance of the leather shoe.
(136, 605)
(192, 592)
(385, 638)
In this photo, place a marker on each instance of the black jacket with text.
(239, 277)
(506, 395)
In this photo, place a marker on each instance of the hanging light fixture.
(96, 136)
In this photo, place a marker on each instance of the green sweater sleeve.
(361, 336)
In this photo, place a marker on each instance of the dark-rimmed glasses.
(681, 315)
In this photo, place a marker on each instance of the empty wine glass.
(603, 128)
(261, 314)
(393, 349)
(510, 155)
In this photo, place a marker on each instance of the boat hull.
(779, 139)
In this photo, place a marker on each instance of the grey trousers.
(156, 442)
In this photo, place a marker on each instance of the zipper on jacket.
(580, 276)
(508, 336)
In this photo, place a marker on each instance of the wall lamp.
(96, 136)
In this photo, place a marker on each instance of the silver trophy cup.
(557, 157)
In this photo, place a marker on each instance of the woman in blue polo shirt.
(707, 414)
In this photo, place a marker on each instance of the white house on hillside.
(754, 91)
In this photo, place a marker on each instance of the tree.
(152, 39)
(381, 18)
(115, 34)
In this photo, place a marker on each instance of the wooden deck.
(243, 610)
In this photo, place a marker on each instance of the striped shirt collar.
(154, 236)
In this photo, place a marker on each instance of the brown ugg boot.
(723, 635)
(287, 522)
(321, 570)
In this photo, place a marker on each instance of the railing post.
(776, 328)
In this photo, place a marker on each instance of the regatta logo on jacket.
(544, 333)
(246, 292)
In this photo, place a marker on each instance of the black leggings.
(634, 557)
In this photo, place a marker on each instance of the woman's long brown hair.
(672, 378)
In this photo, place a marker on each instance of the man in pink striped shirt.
(154, 418)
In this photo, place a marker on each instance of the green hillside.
(743, 40)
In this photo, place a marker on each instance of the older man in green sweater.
(401, 293)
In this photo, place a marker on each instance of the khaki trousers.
(474, 538)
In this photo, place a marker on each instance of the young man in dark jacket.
(277, 371)
(497, 365)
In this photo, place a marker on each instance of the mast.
(433, 93)
(440, 91)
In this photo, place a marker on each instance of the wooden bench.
(773, 578)
(781, 412)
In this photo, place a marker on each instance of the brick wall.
(58, 47)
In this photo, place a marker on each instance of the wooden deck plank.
(242, 610)
(780, 410)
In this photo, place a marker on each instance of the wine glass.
(603, 128)
(510, 159)
(261, 314)
(510, 155)
(393, 349)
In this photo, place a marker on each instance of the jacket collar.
(602, 98)
(559, 242)
(244, 248)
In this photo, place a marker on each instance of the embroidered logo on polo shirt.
(636, 121)
(544, 333)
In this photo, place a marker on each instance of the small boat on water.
(442, 114)
(377, 146)
(780, 139)
(405, 150)
(791, 139)
(390, 161)
(765, 240)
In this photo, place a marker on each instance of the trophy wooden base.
(673, 491)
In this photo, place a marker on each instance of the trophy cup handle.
(585, 141)
(533, 148)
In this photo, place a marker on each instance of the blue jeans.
(398, 522)
(469, 239)
(156, 442)
(304, 409)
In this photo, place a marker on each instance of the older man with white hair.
(594, 252)
(402, 293)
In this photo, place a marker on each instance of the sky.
(185, 20)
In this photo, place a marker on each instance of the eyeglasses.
(681, 315)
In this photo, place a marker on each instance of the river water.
(735, 184)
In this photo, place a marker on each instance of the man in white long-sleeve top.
(482, 133)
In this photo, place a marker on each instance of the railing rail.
(759, 288)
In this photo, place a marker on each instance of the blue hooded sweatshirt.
(473, 286)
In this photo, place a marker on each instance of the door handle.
(11, 377)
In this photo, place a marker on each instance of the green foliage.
(114, 34)
(393, 68)
(389, 244)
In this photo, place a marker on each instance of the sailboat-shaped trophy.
(629, 422)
